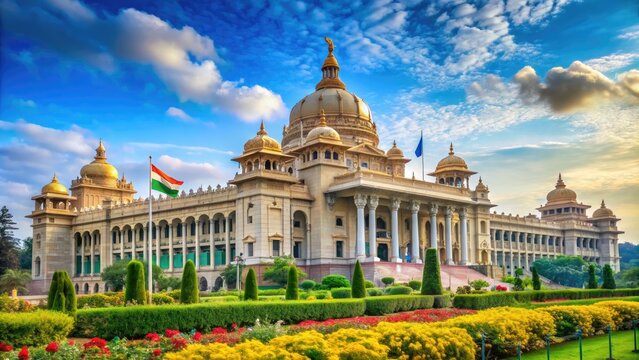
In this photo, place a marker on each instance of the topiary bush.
(431, 279)
(536, 282)
(415, 284)
(335, 281)
(189, 292)
(387, 280)
(250, 285)
(608, 278)
(341, 293)
(592, 278)
(398, 290)
(369, 284)
(478, 284)
(358, 289)
(292, 290)
(34, 328)
(375, 292)
(135, 292)
(308, 285)
(62, 294)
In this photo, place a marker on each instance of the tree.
(278, 271)
(9, 250)
(15, 279)
(536, 282)
(135, 285)
(431, 278)
(518, 284)
(335, 281)
(250, 286)
(308, 285)
(169, 282)
(26, 253)
(62, 295)
(608, 278)
(292, 289)
(388, 280)
(229, 274)
(115, 275)
(564, 270)
(628, 278)
(592, 279)
(358, 287)
(190, 293)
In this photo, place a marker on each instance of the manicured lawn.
(595, 347)
(575, 302)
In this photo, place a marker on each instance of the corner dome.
(99, 168)
(395, 152)
(481, 187)
(55, 187)
(323, 131)
(561, 193)
(262, 142)
(451, 162)
(603, 212)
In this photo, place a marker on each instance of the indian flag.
(164, 183)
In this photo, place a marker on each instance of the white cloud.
(612, 62)
(179, 114)
(71, 141)
(26, 103)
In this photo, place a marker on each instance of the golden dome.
(481, 187)
(603, 212)
(395, 152)
(262, 142)
(54, 187)
(323, 131)
(99, 168)
(451, 162)
(561, 193)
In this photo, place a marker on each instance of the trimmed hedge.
(34, 328)
(493, 299)
(395, 303)
(135, 291)
(137, 321)
(250, 287)
(358, 288)
(398, 290)
(292, 290)
(442, 301)
(190, 292)
(342, 293)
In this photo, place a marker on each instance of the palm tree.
(15, 279)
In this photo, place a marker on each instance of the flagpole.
(421, 141)
(150, 235)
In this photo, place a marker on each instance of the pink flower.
(52, 347)
(171, 333)
(197, 336)
(24, 353)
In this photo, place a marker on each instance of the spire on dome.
(100, 152)
(451, 152)
(330, 70)
(560, 183)
(603, 204)
(262, 130)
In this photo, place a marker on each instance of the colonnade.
(515, 245)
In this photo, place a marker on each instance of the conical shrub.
(592, 279)
(431, 278)
(53, 290)
(250, 286)
(358, 286)
(61, 295)
(135, 290)
(190, 294)
(608, 278)
(536, 281)
(70, 301)
(292, 287)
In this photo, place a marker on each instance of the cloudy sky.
(524, 89)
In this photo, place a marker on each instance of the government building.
(327, 194)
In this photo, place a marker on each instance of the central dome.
(99, 169)
(345, 112)
(561, 193)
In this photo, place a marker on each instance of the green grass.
(575, 302)
(595, 347)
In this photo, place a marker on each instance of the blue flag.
(420, 147)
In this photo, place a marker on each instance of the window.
(297, 224)
(249, 220)
(249, 249)
(216, 226)
(339, 249)
(339, 221)
(114, 237)
(179, 230)
(297, 250)
(51, 219)
(335, 156)
(230, 226)
(407, 224)
(166, 231)
(365, 165)
(276, 248)
(192, 228)
(314, 155)
(153, 232)
(327, 154)
(349, 163)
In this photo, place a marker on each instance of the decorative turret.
(452, 170)
(603, 212)
(54, 187)
(330, 70)
(562, 204)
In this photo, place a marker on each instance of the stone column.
(227, 229)
(144, 241)
(133, 252)
(121, 244)
(532, 240)
(373, 201)
(211, 247)
(433, 227)
(414, 228)
(171, 247)
(360, 247)
(534, 246)
(493, 243)
(92, 249)
(183, 244)
(448, 235)
(197, 244)
(74, 261)
(463, 237)
(512, 262)
(395, 203)
(158, 236)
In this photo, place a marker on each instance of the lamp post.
(238, 261)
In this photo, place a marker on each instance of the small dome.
(99, 168)
(451, 162)
(262, 142)
(603, 212)
(323, 131)
(561, 193)
(481, 187)
(54, 187)
(395, 152)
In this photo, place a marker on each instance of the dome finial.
(394, 143)
(330, 70)
(451, 152)
(322, 118)
(560, 182)
(55, 178)
(329, 42)
(603, 204)
(262, 130)
(100, 151)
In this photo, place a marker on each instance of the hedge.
(342, 293)
(398, 290)
(34, 328)
(442, 301)
(137, 321)
(493, 299)
(396, 303)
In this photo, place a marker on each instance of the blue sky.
(524, 89)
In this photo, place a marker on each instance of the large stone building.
(327, 194)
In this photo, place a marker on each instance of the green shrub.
(292, 290)
(341, 293)
(592, 278)
(608, 278)
(62, 294)
(375, 292)
(308, 285)
(442, 301)
(335, 281)
(9, 304)
(483, 301)
(271, 292)
(136, 322)
(34, 328)
(536, 282)
(392, 304)
(175, 294)
(369, 284)
(135, 292)
(250, 286)
(478, 284)
(162, 299)
(387, 280)
(431, 279)
(398, 290)
(358, 288)
(189, 292)
(415, 284)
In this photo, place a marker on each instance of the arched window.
(256, 165)
(37, 266)
(314, 155)
(267, 165)
(458, 182)
(193, 228)
(166, 231)
(86, 288)
(275, 165)
(442, 181)
(249, 166)
(96, 289)
(380, 223)
(290, 170)
(335, 156)
(327, 154)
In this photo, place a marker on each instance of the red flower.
(178, 343)
(152, 337)
(219, 330)
(171, 333)
(52, 347)
(233, 326)
(97, 343)
(197, 336)
(71, 342)
(157, 352)
(23, 354)
(501, 288)
(5, 347)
